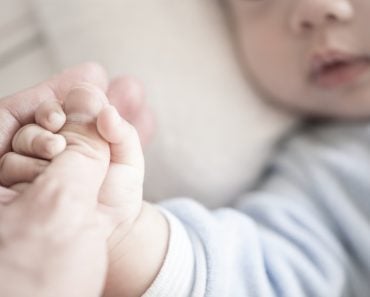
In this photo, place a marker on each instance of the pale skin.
(44, 251)
(300, 31)
(46, 230)
(120, 197)
(82, 137)
(279, 42)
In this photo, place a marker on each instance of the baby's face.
(309, 55)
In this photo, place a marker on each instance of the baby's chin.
(305, 100)
(329, 110)
(350, 103)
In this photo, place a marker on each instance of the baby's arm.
(304, 232)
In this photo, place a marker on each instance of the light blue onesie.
(305, 231)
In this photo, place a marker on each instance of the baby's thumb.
(124, 181)
(123, 138)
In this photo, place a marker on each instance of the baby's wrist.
(137, 259)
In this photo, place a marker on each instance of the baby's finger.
(123, 184)
(15, 168)
(124, 140)
(34, 141)
(50, 115)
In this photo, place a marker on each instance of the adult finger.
(20, 188)
(15, 168)
(50, 115)
(34, 141)
(6, 195)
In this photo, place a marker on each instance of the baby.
(305, 230)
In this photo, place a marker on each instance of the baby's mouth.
(334, 69)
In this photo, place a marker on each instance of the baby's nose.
(309, 15)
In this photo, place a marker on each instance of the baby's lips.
(323, 59)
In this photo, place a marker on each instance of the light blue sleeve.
(305, 231)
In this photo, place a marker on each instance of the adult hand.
(53, 235)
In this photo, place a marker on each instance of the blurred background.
(214, 133)
(24, 57)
